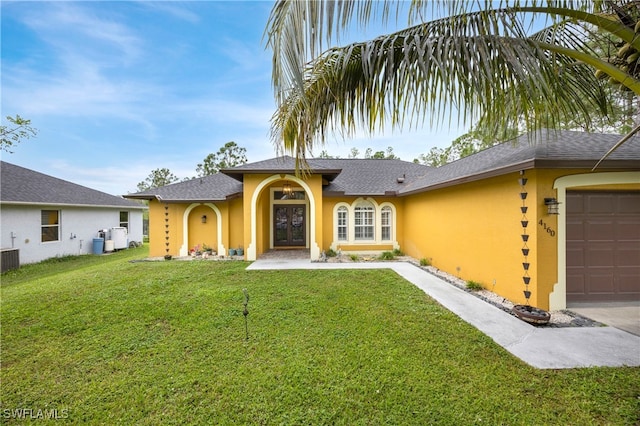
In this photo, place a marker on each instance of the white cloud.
(177, 10)
(69, 27)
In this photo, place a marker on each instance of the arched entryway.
(202, 224)
(290, 222)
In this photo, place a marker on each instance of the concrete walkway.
(539, 347)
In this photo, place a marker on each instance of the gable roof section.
(550, 149)
(19, 185)
(218, 187)
(284, 164)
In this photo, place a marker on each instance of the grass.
(116, 342)
(474, 286)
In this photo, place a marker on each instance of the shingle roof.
(562, 149)
(216, 187)
(346, 176)
(369, 177)
(350, 177)
(284, 164)
(19, 185)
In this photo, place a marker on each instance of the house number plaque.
(547, 228)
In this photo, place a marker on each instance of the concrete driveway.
(622, 315)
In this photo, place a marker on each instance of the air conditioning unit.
(119, 236)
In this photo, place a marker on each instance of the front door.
(289, 228)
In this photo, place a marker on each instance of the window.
(124, 220)
(363, 218)
(343, 223)
(385, 223)
(363, 223)
(295, 195)
(50, 225)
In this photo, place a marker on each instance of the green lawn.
(103, 340)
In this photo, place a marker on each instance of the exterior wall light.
(552, 205)
(204, 218)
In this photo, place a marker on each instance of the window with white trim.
(364, 221)
(385, 223)
(343, 223)
(124, 220)
(50, 225)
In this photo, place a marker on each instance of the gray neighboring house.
(42, 216)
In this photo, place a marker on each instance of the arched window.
(386, 223)
(343, 223)
(364, 221)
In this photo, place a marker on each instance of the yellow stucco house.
(518, 217)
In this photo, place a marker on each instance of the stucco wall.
(179, 219)
(236, 224)
(202, 234)
(158, 225)
(473, 231)
(78, 227)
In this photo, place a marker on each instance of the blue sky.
(118, 89)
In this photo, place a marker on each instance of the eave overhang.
(238, 174)
(185, 200)
(46, 204)
(528, 165)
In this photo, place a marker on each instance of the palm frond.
(477, 61)
(405, 77)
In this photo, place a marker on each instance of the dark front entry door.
(288, 225)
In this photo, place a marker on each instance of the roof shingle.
(566, 149)
(217, 187)
(24, 186)
(373, 177)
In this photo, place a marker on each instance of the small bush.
(425, 262)
(398, 252)
(387, 255)
(331, 253)
(354, 257)
(474, 286)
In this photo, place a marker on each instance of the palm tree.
(482, 61)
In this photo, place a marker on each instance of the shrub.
(331, 253)
(425, 262)
(474, 286)
(354, 257)
(398, 252)
(387, 255)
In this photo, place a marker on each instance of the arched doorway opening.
(282, 219)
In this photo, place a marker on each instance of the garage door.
(603, 246)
